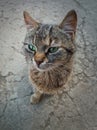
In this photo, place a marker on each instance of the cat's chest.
(47, 81)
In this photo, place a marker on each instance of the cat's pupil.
(53, 49)
(31, 47)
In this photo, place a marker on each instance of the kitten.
(49, 53)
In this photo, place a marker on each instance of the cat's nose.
(38, 62)
(39, 58)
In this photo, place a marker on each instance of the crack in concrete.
(47, 123)
(2, 79)
(82, 7)
(18, 98)
(4, 110)
(79, 114)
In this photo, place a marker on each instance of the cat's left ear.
(30, 22)
(69, 24)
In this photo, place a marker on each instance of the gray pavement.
(76, 108)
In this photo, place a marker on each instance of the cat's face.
(49, 46)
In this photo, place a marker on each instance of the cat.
(49, 51)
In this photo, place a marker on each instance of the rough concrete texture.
(76, 108)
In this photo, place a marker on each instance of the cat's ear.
(69, 23)
(30, 22)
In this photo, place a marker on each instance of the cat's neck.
(61, 68)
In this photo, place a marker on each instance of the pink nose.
(39, 58)
(38, 62)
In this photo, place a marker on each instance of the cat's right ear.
(69, 24)
(29, 21)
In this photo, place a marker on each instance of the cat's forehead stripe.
(43, 33)
(47, 40)
(44, 30)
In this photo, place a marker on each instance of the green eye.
(53, 49)
(31, 47)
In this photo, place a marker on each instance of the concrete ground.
(76, 108)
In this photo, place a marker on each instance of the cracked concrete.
(76, 108)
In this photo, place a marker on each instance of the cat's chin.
(42, 68)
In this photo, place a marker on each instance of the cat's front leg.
(36, 97)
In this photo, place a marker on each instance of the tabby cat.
(49, 53)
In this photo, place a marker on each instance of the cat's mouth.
(43, 66)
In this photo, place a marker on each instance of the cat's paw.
(34, 99)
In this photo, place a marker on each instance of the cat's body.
(49, 52)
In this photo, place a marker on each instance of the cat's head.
(48, 46)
